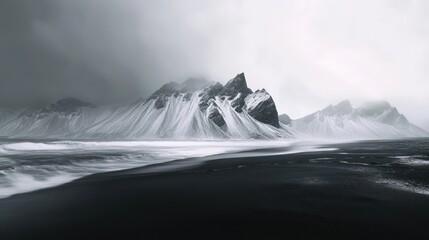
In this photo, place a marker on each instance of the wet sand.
(314, 195)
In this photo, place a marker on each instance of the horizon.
(362, 103)
(214, 119)
(307, 52)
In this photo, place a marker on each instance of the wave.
(413, 161)
(28, 166)
(30, 146)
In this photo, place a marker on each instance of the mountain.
(61, 119)
(371, 121)
(200, 109)
(195, 108)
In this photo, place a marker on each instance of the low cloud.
(307, 54)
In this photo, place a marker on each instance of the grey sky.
(307, 54)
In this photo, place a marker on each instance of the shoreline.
(265, 197)
(28, 166)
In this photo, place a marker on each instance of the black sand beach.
(359, 190)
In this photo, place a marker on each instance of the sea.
(28, 164)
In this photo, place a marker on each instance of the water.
(27, 165)
(401, 165)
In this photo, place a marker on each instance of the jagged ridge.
(201, 109)
(195, 108)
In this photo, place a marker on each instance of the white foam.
(185, 147)
(355, 163)
(28, 166)
(20, 183)
(29, 146)
(404, 186)
(414, 160)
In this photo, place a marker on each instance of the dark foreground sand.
(272, 197)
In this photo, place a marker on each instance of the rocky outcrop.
(260, 105)
(236, 90)
(195, 108)
(209, 93)
(186, 89)
(215, 116)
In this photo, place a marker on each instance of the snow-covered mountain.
(371, 121)
(199, 109)
(64, 118)
(195, 108)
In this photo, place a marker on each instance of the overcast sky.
(307, 54)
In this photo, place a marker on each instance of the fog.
(306, 54)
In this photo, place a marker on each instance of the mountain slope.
(375, 120)
(208, 111)
(199, 109)
(64, 118)
(195, 108)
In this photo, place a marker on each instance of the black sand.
(296, 196)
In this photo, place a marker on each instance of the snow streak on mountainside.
(209, 110)
(193, 109)
(372, 121)
(198, 109)
(57, 120)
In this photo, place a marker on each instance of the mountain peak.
(166, 89)
(373, 120)
(238, 81)
(194, 84)
(345, 103)
(375, 108)
(344, 107)
(189, 86)
(260, 105)
(237, 85)
(67, 106)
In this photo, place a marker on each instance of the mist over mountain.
(274, 119)
(113, 52)
(372, 120)
(196, 108)
(202, 109)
